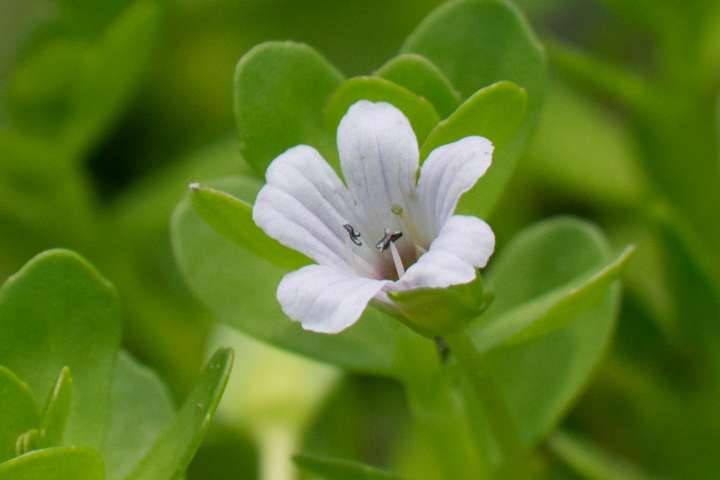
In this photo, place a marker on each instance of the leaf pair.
(59, 314)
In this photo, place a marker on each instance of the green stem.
(485, 404)
(277, 446)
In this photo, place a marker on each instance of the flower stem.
(487, 408)
(277, 445)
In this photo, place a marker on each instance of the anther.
(354, 235)
(387, 239)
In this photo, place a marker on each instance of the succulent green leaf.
(340, 469)
(477, 43)
(239, 288)
(60, 463)
(232, 218)
(57, 410)
(171, 453)
(141, 410)
(418, 110)
(440, 311)
(539, 379)
(18, 413)
(280, 91)
(496, 113)
(419, 75)
(552, 310)
(58, 311)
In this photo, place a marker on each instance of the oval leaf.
(419, 75)
(477, 43)
(58, 311)
(232, 218)
(540, 379)
(280, 90)
(496, 113)
(551, 310)
(420, 112)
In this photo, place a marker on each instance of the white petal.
(450, 171)
(379, 159)
(324, 299)
(463, 245)
(304, 206)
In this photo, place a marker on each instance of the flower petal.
(450, 171)
(304, 206)
(464, 244)
(324, 299)
(379, 159)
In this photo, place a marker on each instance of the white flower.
(385, 231)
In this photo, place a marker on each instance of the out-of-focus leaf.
(173, 450)
(496, 113)
(419, 75)
(477, 43)
(232, 218)
(60, 463)
(70, 86)
(239, 288)
(57, 410)
(141, 410)
(280, 91)
(552, 310)
(540, 379)
(18, 412)
(339, 469)
(419, 111)
(58, 311)
(565, 150)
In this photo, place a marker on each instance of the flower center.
(390, 257)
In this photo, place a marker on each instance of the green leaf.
(57, 410)
(496, 113)
(339, 469)
(232, 218)
(420, 112)
(141, 410)
(539, 379)
(419, 75)
(552, 310)
(280, 91)
(239, 288)
(440, 311)
(70, 86)
(477, 43)
(61, 463)
(173, 450)
(56, 312)
(18, 413)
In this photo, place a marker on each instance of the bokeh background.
(109, 109)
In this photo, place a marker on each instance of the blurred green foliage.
(109, 109)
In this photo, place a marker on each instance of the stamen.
(397, 260)
(354, 235)
(387, 240)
